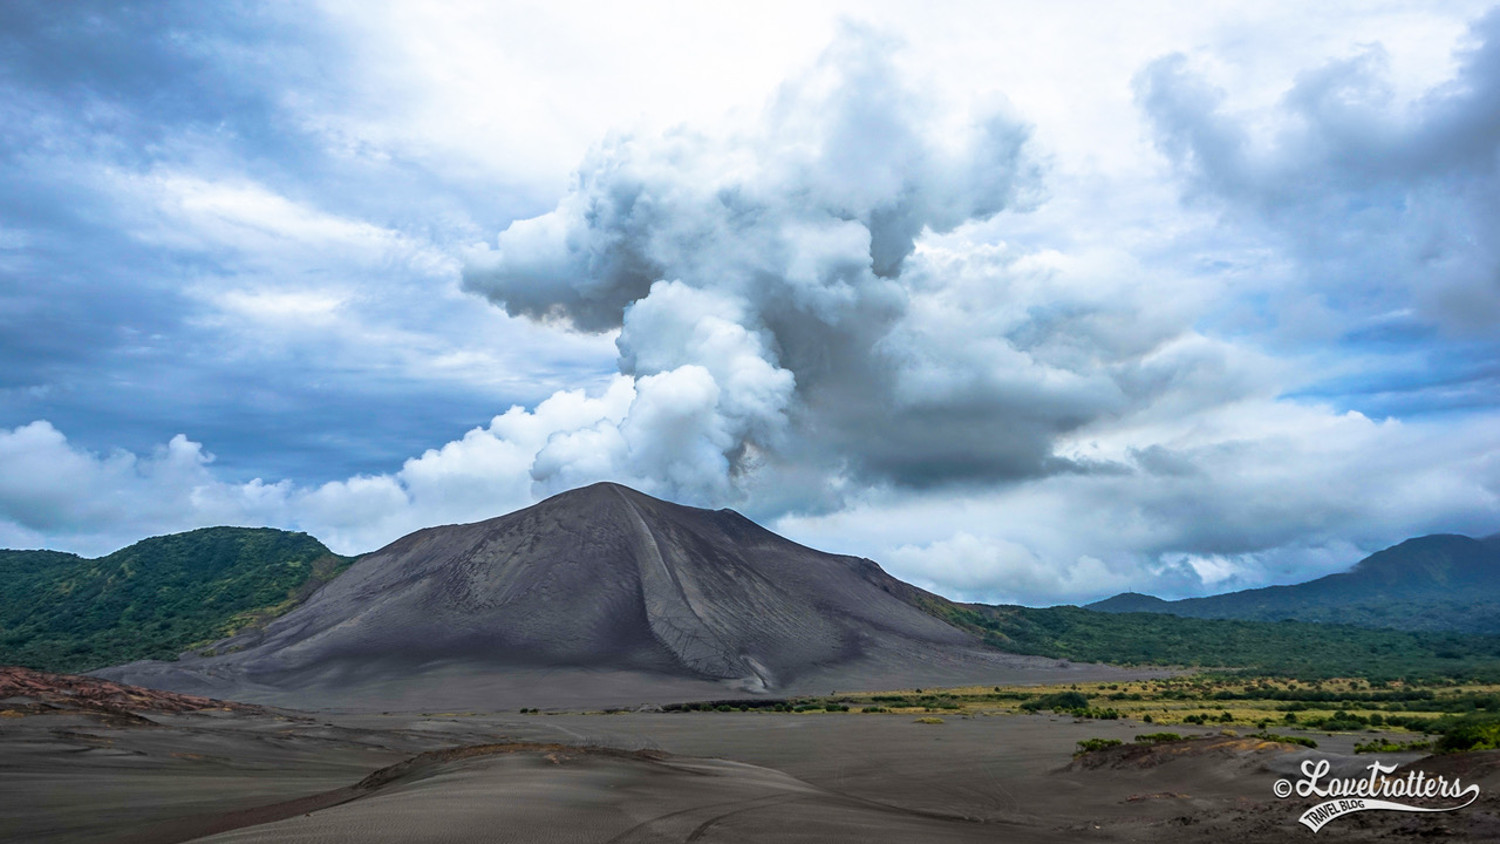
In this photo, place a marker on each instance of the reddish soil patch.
(1149, 755)
(73, 692)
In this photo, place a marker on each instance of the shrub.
(1058, 702)
(1469, 735)
(1157, 738)
(1305, 742)
(1380, 745)
(1093, 744)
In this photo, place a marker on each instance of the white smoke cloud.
(785, 263)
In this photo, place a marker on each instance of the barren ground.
(279, 775)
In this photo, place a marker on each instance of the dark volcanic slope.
(601, 578)
(1440, 582)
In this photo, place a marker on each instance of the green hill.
(154, 599)
(1434, 583)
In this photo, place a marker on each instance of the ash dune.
(266, 775)
(514, 792)
(599, 595)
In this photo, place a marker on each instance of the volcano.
(602, 580)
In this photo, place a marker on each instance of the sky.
(1030, 303)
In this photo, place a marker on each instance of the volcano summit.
(602, 594)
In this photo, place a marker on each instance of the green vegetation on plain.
(1093, 745)
(1057, 702)
(1283, 648)
(154, 599)
(1472, 732)
(1470, 616)
(1381, 744)
(1399, 716)
(1284, 739)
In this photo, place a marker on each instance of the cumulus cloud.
(50, 488)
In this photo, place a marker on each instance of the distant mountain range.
(1443, 582)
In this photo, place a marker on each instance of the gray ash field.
(279, 776)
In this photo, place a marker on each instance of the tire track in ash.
(573, 733)
(704, 827)
(651, 830)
